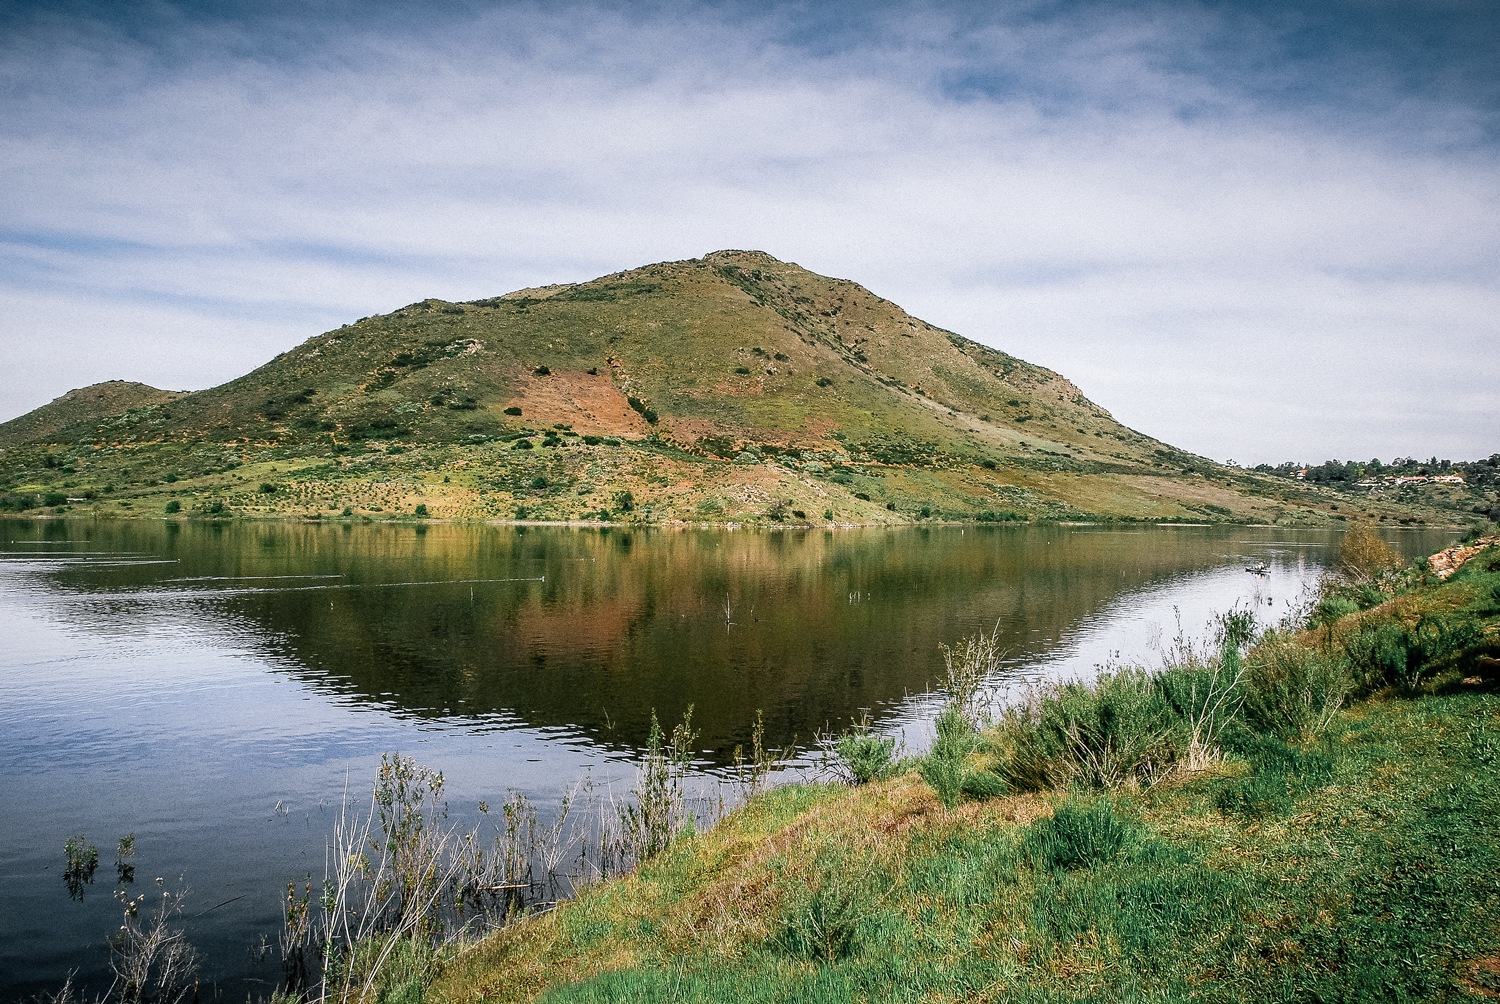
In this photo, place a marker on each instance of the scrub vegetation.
(731, 388)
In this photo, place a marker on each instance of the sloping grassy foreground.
(1345, 856)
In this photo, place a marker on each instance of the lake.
(214, 688)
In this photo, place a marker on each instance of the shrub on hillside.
(946, 767)
(1392, 654)
(826, 923)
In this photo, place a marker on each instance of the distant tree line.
(1347, 472)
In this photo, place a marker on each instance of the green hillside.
(78, 412)
(728, 388)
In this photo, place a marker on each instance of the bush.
(513, 410)
(1363, 554)
(946, 774)
(1291, 689)
(864, 756)
(946, 768)
(641, 409)
(1205, 698)
(1119, 729)
(1331, 607)
(982, 784)
(1390, 654)
(173, 507)
(1077, 835)
(421, 511)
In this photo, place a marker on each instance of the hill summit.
(729, 387)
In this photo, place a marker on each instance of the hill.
(81, 410)
(728, 388)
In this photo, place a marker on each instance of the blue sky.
(1258, 231)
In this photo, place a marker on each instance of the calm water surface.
(213, 688)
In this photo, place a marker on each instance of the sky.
(1258, 231)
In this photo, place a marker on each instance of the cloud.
(1168, 204)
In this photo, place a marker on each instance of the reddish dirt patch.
(690, 430)
(1484, 977)
(590, 403)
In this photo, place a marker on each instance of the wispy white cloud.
(1239, 252)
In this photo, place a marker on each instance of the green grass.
(1345, 855)
(1376, 882)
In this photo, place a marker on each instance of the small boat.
(1260, 568)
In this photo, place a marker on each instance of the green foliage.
(1280, 773)
(173, 507)
(982, 784)
(1077, 835)
(80, 861)
(656, 812)
(1388, 653)
(1293, 688)
(864, 756)
(1333, 606)
(946, 767)
(641, 408)
(825, 923)
(1118, 729)
(945, 773)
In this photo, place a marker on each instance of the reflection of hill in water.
(821, 626)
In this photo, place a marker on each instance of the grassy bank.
(1312, 817)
